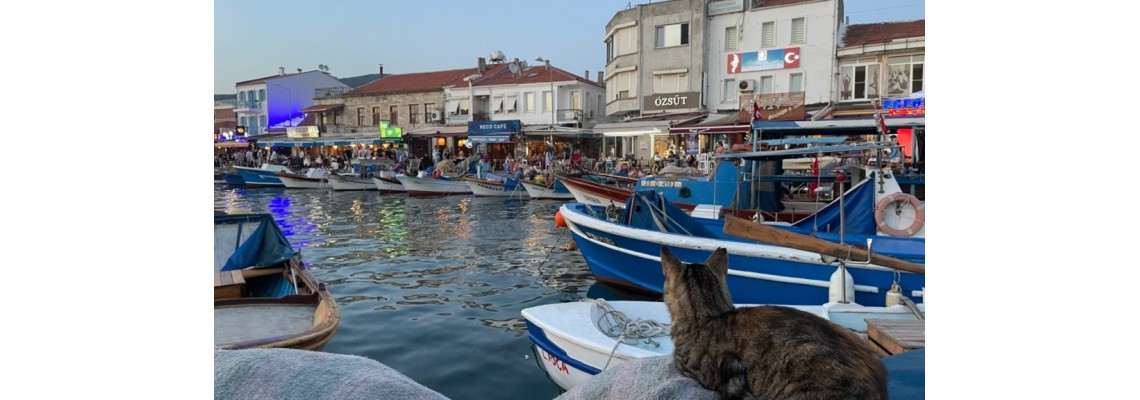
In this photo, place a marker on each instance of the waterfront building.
(275, 102)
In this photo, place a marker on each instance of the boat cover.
(858, 210)
(249, 240)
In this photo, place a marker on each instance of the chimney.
(587, 75)
(280, 71)
(482, 65)
(381, 70)
(600, 81)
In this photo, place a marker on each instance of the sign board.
(504, 127)
(390, 132)
(907, 106)
(773, 106)
(763, 60)
(302, 132)
(725, 7)
(670, 101)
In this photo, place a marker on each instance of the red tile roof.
(418, 81)
(883, 32)
(532, 74)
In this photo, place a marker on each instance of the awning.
(713, 124)
(855, 126)
(490, 139)
(322, 108)
(560, 132)
(806, 151)
(231, 144)
(321, 142)
(635, 128)
(439, 131)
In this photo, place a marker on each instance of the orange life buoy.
(919, 215)
(558, 220)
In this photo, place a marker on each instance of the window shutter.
(798, 30)
(730, 38)
(769, 34)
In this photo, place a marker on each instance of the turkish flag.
(792, 57)
(756, 111)
(882, 122)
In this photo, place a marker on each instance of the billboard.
(763, 60)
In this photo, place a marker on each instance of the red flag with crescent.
(756, 111)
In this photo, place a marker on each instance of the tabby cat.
(761, 352)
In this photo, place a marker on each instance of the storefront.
(499, 139)
(424, 141)
(703, 136)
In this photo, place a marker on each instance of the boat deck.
(890, 337)
(246, 322)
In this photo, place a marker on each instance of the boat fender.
(842, 287)
(571, 246)
(558, 220)
(894, 296)
(919, 215)
(685, 192)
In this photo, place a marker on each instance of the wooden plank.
(897, 336)
(236, 276)
(227, 278)
(254, 273)
(746, 229)
(227, 292)
(217, 279)
(878, 350)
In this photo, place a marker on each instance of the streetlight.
(290, 106)
(471, 94)
(552, 110)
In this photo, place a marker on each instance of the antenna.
(514, 67)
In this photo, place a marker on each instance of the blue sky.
(353, 37)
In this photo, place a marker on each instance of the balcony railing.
(247, 105)
(569, 115)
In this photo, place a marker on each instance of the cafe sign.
(725, 7)
(302, 132)
(671, 101)
(773, 106)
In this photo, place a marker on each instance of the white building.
(276, 101)
(533, 94)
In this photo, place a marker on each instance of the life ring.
(919, 215)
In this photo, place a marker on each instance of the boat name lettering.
(561, 365)
(592, 199)
(664, 184)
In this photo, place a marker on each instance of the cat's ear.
(668, 260)
(718, 261)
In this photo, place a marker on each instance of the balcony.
(569, 115)
(247, 106)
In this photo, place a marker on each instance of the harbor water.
(434, 287)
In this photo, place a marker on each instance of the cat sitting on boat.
(766, 352)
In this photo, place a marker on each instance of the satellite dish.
(514, 68)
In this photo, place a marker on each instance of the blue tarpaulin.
(265, 246)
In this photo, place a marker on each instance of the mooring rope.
(618, 325)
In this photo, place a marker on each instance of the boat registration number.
(663, 184)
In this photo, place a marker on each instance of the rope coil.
(618, 325)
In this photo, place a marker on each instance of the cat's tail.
(733, 377)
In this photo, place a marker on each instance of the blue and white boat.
(622, 247)
(495, 186)
(572, 341)
(266, 176)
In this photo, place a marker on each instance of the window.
(498, 105)
(796, 83)
(765, 84)
(393, 114)
(575, 100)
(241, 96)
(547, 101)
(905, 75)
(360, 116)
(624, 41)
(768, 34)
(511, 104)
(261, 95)
(529, 102)
(413, 114)
(670, 83)
(797, 30)
(263, 121)
(376, 116)
(241, 121)
(429, 109)
(622, 85)
(673, 35)
(730, 38)
(729, 93)
(859, 80)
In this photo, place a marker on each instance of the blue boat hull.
(260, 178)
(770, 280)
(233, 178)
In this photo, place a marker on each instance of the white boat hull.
(433, 187)
(572, 348)
(388, 187)
(488, 189)
(315, 179)
(584, 197)
(538, 192)
(348, 183)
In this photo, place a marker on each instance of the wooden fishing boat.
(388, 184)
(552, 191)
(264, 297)
(495, 188)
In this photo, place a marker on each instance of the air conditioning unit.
(747, 85)
(435, 116)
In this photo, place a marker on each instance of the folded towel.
(309, 375)
(641, 378)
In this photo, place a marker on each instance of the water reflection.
(422, 281)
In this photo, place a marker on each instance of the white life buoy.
(919, 215)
